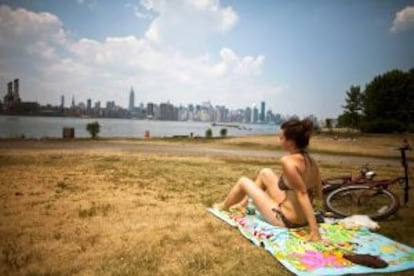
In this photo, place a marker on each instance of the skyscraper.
(248, 115)
(88, 106)
(255, 114)
(262, 112)
(16, 88)
(131, 100)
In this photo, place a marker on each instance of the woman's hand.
(315, 236)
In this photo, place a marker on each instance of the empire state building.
(131, 100)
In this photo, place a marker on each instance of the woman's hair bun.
(298, 131)
(307, 126)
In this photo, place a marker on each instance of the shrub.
(382, 126)
(209, 133)
(223, 132)
(93, 129)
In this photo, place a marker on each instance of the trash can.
(68, 132)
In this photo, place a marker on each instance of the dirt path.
(187, 149)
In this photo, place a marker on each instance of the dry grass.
(116, 213)
(345, 144)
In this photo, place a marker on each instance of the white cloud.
(404, 20)
(244, 66)
(104, 70)
(29, 43)
(141, 10)
(24, 26)
(187, 24)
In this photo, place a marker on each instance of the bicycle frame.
(384, 183)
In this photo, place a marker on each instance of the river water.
(41, 127)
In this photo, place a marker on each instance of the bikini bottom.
(286, 221)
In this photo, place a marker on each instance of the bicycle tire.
(377, 203)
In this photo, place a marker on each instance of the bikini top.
(284, 187)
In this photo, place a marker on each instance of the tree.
(386, 104)
(93, 129)
(389, 102)
(353, 107)
(329, 124)
(209, 133)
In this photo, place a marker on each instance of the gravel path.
(185, 149)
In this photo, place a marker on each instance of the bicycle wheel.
(376, 203)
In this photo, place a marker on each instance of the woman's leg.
(267, 181)
(237, 195)
(263, 201)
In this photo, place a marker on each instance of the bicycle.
(346, 195)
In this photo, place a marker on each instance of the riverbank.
(137, 207)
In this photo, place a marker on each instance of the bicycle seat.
(369, 175)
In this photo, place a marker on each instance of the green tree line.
(386, 105)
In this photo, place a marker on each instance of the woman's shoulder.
(289, 160)
(296, 160)
(286, 159)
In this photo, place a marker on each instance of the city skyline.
(250, 114)
(300, 57)
(13, 104)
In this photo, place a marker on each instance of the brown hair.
(298, 131)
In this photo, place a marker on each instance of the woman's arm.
(304, 201)
(295, 180)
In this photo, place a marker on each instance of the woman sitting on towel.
(284, 200)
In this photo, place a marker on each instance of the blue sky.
(300, 57)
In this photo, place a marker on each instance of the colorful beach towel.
(293, 250)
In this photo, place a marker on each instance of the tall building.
(262, 112)
(10, 89)
(131, 105)
(16, 89)
(12, 98)
(62, 101)
(168, 112)
(12, 103)
(151, 110)
(248, 115)
(88, 106)
(255, 114)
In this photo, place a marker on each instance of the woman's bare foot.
(238, 207)
(219, 206)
